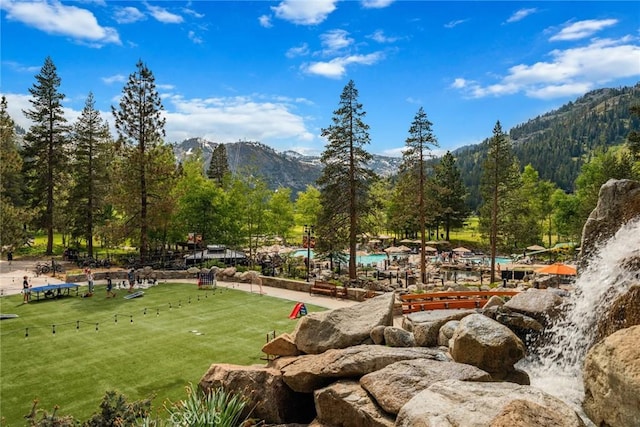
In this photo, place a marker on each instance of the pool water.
(360, 259)
(374, 259)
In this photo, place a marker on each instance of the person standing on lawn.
(26, 290)
(89, 280)
(132, 279)
(110, 292)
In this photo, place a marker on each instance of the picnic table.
(54, 291)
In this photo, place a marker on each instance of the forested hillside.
(558, 143)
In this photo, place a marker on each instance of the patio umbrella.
(559, 269)
(406, 241)
(404, 248)
(430, 249)
(461, 250)
(392, 250)
(375, 241)
(536, 248)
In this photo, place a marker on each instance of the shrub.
(215, 409)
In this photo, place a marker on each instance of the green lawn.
(157, 354)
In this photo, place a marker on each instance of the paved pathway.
(11, 283)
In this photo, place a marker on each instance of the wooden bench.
(326, 288)
(449, 300)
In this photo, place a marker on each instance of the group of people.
(110, 292)
(26, 285)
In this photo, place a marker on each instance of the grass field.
(160, 343)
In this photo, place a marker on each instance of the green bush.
(215, 409)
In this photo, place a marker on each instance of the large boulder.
(426, 325)
(541, 304)
(310, 372)
(618, 203)
(526, 328)
(486, 344)
(269, 397)
(343, 327)
(398, 337)
(475, 404)
(395, 384)
(439, 317)
(612, 380)
(623, 313)
(282, 345)
(346, 404)
(446, 332)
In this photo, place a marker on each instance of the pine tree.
(499, 176)
(450, 193)
(633, 139)
(14, 215)
(346, 179)
(219, 165)
(418, 146)
(140, 126)
(45, 151)
(92, 155)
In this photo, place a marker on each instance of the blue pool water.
(360, 259)
(374, 259)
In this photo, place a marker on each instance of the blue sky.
(274, 71)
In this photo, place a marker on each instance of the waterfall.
(556, 366)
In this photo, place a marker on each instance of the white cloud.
(521, 14)
(256, 117)
(265, 21)
(22, 68)
(412, 100)
(459, 83)
(193, 13)
(380, 37)
(376, 4)
(194, 37)
(304, 12)
(337, 67)
(163, 15)
(583, 29)
(231, 119)
(335, 40)
(55, 18)
(116, 78)
(302, 50)
(569, 72)
(128, 15)
(452, 24)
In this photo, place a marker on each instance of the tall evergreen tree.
(219, 165)
(633, 139)
(418, 146)
(345, 180)
(45, 150)
(140, 126)
(13, 214)
(93, 153)
(499, 176)
(450, 193)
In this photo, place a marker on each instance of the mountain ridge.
(556, 143)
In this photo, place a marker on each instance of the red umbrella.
(558, 268)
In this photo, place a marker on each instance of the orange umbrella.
(558, 268)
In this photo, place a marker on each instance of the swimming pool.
(373, 259)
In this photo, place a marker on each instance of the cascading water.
(556, 366)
